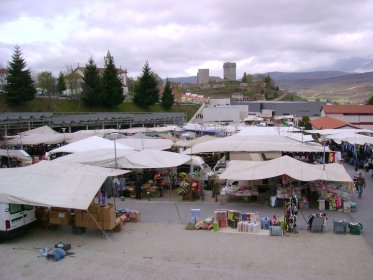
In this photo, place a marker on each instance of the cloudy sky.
(180, 37)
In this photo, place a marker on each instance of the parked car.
(15, 219)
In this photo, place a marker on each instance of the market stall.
(287, 176)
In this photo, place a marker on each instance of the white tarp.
(146, 143)
(89, 144)
(55, 184)
(82, 134)
(352, 136)
(254, 143)
(36, 139)
(290, 132)
(40, 130)
(152, 129)
(256, 170)
(40, 135)
(19, 154)
(127, 158)
(192, 142)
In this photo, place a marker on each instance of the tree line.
(96, 88)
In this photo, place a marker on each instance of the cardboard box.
(93, 208)
(135, 217)
(60, 218)
(119, 226)
(108, 225)
(109, 213)
(78, 221)
(100, 213)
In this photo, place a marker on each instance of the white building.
(360, 115)
(235, 113)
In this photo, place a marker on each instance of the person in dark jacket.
(138, 185)
(360, 183)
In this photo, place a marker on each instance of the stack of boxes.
(97, 216)
(134, 216)
(42, 216)
(220, 218)
(60, 216)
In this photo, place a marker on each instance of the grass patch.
(74, 106)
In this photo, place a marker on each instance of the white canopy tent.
(19, 154)
(254, 143)
(40, 135)
(352, 136)
(89, 144)
(54, 184)
(82, 134)
(36, 139)
(167, 128)
(256, 170)
(192, 142)
(127, 158)
(290, 132)
(40, 130)
(146, 143)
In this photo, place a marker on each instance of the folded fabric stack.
(243, 226)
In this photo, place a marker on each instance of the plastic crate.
(339, 226)
(275, 231)
(355, 228)
(318, 224)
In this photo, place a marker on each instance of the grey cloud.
(177, 35)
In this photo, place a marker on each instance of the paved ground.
(172, 210)
(160, 248)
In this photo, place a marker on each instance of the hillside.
(333, 86)
(73, 106)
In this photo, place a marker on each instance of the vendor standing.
(138, 186)
(360, 183)
(158, 183)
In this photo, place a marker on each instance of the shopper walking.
(354, 178)
(360, 184)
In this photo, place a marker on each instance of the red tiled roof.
(330, 123)
(348, 109)
(3, 71)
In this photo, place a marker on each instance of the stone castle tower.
(229, 71)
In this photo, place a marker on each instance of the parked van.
(15, 218)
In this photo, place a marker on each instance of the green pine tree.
(112, 85)
(370, 101)
(91, 87)
(61, 84)
(243, 80)
(168, 98)
(20, 86)
(146, 88)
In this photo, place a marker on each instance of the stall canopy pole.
(323, 155)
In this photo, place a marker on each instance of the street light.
(63, 130)
(302, 128)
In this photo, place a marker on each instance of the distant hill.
(183, 80)
(332, 85)
(281, 76)
(335, 86)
